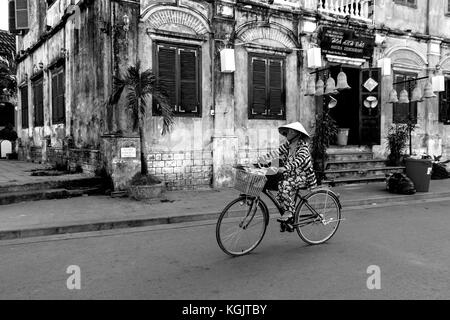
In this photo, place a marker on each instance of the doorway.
(346, 113)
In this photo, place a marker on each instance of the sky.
(4, 14)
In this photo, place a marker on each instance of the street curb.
(145, 221)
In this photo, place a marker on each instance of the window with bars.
(24, 105)
(444, 103)
(405, 112)
(178, 71)
(266, 87)
(38, 99)
(58, 93)
(409, 3)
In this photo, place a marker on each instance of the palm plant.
(139, 87)
(397, 140)
(325, 134)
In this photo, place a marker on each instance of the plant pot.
(342, 136)
(146, 192)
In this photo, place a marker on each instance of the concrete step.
(361, 172)
(353, 180)
(350, 156)
(355, 164)
(348, 149)
(59, 183)
(46, 194)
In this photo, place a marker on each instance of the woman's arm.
(301, 160)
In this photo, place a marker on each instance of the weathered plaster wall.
(83, 43)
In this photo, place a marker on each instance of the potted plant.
(397, 140)
(139, 86)
(325, 133)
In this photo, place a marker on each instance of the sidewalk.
(92, 213)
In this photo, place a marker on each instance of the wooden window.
(58, 91)
(444, 103)
(266, 87)
(405, 112)
(38, 99)
(24, 105)
(409, 3)
(21, 14)
(178, 71)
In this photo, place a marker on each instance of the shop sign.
(347, 43)
(128, 152)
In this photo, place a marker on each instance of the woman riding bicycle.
(297, 170)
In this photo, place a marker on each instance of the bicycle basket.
(249, 183)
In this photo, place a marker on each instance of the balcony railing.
(356, 9)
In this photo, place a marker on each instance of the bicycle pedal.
(289, 228)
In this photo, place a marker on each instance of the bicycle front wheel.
(241, 226)
(317, 217)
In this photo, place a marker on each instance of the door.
(370, 107)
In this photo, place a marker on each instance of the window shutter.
(22, 22)
(189, 100)
(60, 101)
(259, 84)
(12, 16)
(24, 105)
(54, 98)
(276, 92)
(167, 73)
(444, 105)
(38, 103)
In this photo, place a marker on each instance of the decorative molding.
(406, 55)
(175, 19)
(252, 31)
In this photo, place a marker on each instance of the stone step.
(354, 180)
(60, 183)
(355, 164)
(348, 149)
(361, 173)
(350, 156)
(47, 194)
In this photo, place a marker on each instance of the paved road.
(410, 244)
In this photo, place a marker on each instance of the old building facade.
(72, 49)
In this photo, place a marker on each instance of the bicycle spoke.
(317, 219)
(241, 227)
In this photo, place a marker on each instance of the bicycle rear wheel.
(241, 226)
(317, 217)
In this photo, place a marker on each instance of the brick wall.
(182, 170)
(88, 160)
(249, 156)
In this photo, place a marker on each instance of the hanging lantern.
(227, 61)
(385, 65)
(320, 86)
(331, 86)
(403, 97)
(310, 87)
(342, 83)
(416, 94)
(314, 58)
(333, 102)
(438, 83)
(428, 91)
(393, 98)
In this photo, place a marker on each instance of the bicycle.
(316, 218)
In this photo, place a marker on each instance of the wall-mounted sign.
(347, 43)
(128, 152)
